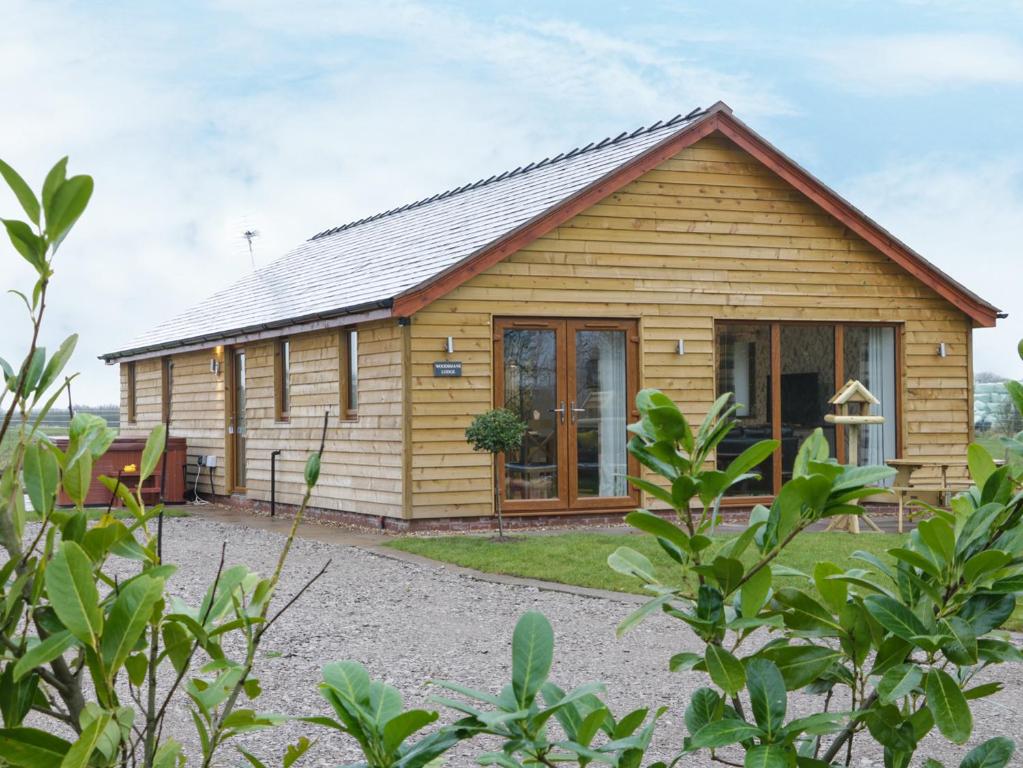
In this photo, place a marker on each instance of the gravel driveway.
(409, 622)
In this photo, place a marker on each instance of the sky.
(200, 120)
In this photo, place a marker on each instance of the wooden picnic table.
(943, 485)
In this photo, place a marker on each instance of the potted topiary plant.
(497, 431)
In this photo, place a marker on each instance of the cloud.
(199, 123)
(287, 119)
(922, 61)
(968, 220)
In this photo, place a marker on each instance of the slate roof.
(366, 263)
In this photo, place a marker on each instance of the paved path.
(412, 621)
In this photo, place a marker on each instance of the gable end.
(718, 119)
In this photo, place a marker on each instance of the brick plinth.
(731, 515)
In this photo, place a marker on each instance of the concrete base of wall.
(729, 516)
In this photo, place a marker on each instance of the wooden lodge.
(691, 256)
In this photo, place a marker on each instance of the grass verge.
(580, 559)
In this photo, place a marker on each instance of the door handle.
(574, 411)
(560, 411)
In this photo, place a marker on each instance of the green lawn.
(581, 558)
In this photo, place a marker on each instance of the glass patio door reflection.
(532, 357)
(573, 383)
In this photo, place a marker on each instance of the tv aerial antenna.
(249, 235)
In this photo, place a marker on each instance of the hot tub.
(125, 451)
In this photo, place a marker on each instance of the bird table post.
(852, 409)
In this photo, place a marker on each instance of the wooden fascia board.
(420, 296)
(982, 314)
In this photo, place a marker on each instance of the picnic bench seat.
(943, 479)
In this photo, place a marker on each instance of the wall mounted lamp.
(942, 350)
(681, 346)
(449, 345)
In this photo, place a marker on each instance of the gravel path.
(409, 623)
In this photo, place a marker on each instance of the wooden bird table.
(852, 409)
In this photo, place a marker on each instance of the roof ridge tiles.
(592, 146)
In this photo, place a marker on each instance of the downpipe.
(273, 481)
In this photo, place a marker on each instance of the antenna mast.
(249, 234)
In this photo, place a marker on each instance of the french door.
(573, 382)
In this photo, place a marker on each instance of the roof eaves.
(222, 337)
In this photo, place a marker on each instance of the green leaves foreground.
(898, 642)
(519, 716)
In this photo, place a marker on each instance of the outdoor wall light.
(214, 366)
(681, 346)
(449, 345)
(942, 350)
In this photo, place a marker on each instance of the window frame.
(282, 380)
(839, 327)
(166, 388)
(131, 384)
(349, 406)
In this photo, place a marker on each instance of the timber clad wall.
(709, 235)
(361, 469)
(147, 396)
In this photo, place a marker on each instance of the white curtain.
(880, 367)
(612, 437)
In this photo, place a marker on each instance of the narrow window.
(282, 379)
(130, 384)
(166, 389)
(348, 375)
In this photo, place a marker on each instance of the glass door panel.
(807, 383)
(744, 368)
(598, 408)
(532, 389)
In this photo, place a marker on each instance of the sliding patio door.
(782, 376)
(808, 380)
(573, 383)
(869, 355)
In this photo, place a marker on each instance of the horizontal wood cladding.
(362, 461)
(197, 408)
(147, 397)
(361, 468)
(708, 235)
